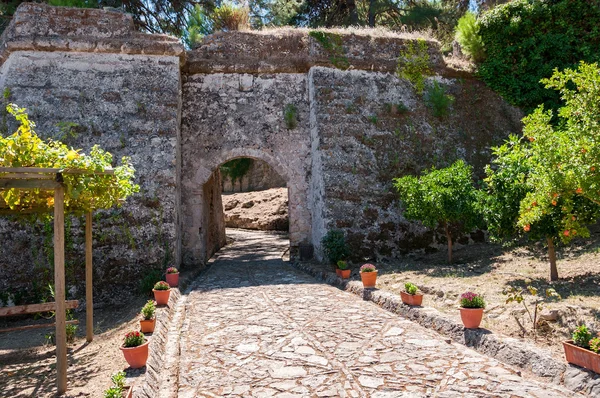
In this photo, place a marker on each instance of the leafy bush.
(334, 246)
(467, 35)
(410, 288)
(161, 285)
(290, 115)
(471, 300)
(113, 392)
(438, 100)
(595, 344)
(228, 18)
(148, 310)
(116, 391)
(118, 379)
(413, 64)
(148, 280)
(368, 268)
(582, 336)
(342, 265)
(133, 339)
(444, 197)
(525, 40)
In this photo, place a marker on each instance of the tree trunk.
(372, 13)
(552, 257)
(449, 238)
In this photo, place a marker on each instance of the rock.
(261, 210)
(550, 315)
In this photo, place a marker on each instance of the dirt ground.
(490, 269)
(28, 362)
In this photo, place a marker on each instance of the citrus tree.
(84, 190)
(441, 198)
(552, 171)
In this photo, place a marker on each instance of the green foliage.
(83, 192)
(467, 35)
(133, 339)
(228, 17)
(373, 119)
(334, 246)
(367, 268)
(342, 265)
(526, 39)
(290, 115)
(74, 3)
(113, 392)
(471, 300)
(236, 169)
(148, 281)
(410, 288)
(438, 100)
(534, 305)
(413, 64)
(206, 19)
(118, 379)
(582, 336)
(161, 285)
(444, 197)
(148, 310)
(333, 44)
(595, 344)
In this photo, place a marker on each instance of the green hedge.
(525, 40)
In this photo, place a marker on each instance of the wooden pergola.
(51, 179)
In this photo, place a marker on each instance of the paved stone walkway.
(256, 327)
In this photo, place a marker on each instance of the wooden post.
(89, 295)
(59, 289)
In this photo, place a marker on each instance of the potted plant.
(471, 309)
(411, 295)
(368, 275)
(343, 269)
(583, 349)
(172, 276)
(135, 349)
(161, 293)
(148, 321)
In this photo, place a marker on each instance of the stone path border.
(508, 350)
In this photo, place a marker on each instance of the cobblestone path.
(256, 327)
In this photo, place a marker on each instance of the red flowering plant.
(172, 270)
(368, 268)
(471, 300)
(161, 285)
(134, 339)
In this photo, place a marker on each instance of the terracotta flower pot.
(172, 279)
(581, 357)
(471, 317)
(136, 357)
(411, 299)
(147, 325)
(338, 272)
(161, 296)
(345, 273)
(369, 279)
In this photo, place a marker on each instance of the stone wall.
(260, 176)
(228, 116)
(126, 103)
(362, 140)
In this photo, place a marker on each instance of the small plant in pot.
(583, 349)
(135, 349)
(148, 321)
(172, 276)
(368, 275)
(471, 309)
(411, 295)
(161, 293)
(343, 269)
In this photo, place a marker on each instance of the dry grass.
(353, 30)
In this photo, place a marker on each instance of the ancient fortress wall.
(86, 76)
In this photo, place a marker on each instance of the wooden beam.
(35, 308)
(28, 184)
(40, 326)
(28, 176)
(108, 171)
(59, 289)
(89, 294)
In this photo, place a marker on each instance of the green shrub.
(467, 35)
(438, 101)
(148, 310)
(113, 392)
(525, 40)
(133, 339)
(582, 336)
(334, 246)
(413, 64)
(148, 280)
(410, 288)
(290, 115)
(595, 344)
(342, 265)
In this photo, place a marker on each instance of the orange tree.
(546, 184)
(441, 198)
